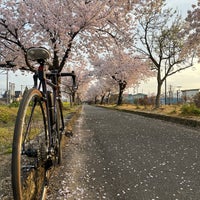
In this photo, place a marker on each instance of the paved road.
(115, 155)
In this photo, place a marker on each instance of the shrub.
(190, 109)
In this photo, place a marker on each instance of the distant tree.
(92, 94)
(193, 19)
(162, 41)
(123, 69)
(102, 88)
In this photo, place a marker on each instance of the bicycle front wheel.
(30, 144)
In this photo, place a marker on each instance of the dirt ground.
(5, 177)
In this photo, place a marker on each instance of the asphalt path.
(116, 155)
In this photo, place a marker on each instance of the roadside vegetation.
(7, 122)
(188, 109)
(185, 110)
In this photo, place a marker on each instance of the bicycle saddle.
(36, 53)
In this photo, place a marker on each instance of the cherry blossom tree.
(106, 87)
(123, 69)
(79, 27)
(91, 95)
(162, 41)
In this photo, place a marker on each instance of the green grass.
(7, 122)
(6, 136)
(67, 108)
(7, 114)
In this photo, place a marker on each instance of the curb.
(174, 119)
(70, 118)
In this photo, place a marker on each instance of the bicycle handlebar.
(72, 74)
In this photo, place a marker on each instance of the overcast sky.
(188, 79)
(182, 5)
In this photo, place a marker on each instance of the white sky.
(187, 79)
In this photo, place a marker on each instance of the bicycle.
(38, 130)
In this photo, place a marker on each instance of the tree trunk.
(73, 97)
(122, 86)
(157, 103)
(102, 99)
(95, 100)
(119, 101)
(108, 98)
(121, 90)
(70, 100)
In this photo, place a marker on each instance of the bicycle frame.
(51, 79)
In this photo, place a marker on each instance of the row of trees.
(167, 43)
(122, 42)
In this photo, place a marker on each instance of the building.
(188, 95)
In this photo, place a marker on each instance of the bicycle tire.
(59, 129)
(55, 119)
(29, 151)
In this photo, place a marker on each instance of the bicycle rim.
(29, 152)
(56, 128)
